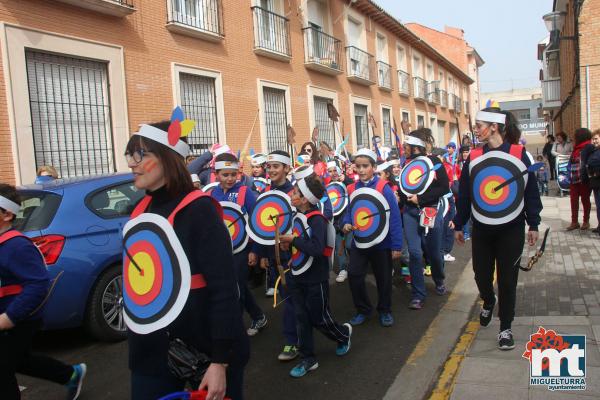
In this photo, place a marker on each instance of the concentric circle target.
(338, 195)
(300, 262)
(416, 176)
(156, 274)
(261, 225)
(489, 204)
(260, 184)
(370, 214)
(235, 221)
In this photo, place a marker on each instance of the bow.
(536, 257)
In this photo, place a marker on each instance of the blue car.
(77, 224)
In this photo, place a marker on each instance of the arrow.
(141, 271)
(435, 168)
(374, 215)
(532, 168)
(235, 220)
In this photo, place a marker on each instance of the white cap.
(222, 149)
(258, 159)
(366, 153)
(414, 141)
(303, 171)
(280, 158)
(383, 166)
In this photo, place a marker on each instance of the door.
(360, 122)
(275, 119)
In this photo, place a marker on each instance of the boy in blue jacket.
(379, 255)
(310, 288)
(24, 285)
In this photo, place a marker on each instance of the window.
(441, 131)
(354, 33)
(417, 67)
(200, 14)
(386, 126)
(381, 48)
(405, 116)
(37, 210)
(401, 58)
(420, 121)
(275, 119)
(430, 74)
(521, 114)
(70, 114)
(323, 122)
(114, 201)
(198, 100)
(362, 129)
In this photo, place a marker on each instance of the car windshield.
(37, 210)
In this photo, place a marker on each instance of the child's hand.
(347, 228)
(252, 259)
(264, 263)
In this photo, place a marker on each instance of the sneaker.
(342, 276)
(358, 319)
(485, 315)
(76, 382)
(343, 348)
(304, 368)
(405, 271)
(449, 258)
(257, 325)
(415, 304)
(289, 353)
(386, 320)
(441, 290)
(270, 292)
(427, 270)
(467, 236)
(505, 340)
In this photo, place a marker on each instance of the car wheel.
(104, 317)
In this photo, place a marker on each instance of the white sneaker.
(270, 292)
(448, 257)
(342, 276)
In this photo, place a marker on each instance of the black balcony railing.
(433, 92)
(127, 3)
(271, 32)
(403, 82)
(204, 15)
(420, 88)
(384, 75)
(443, 98)
(359, 63)
(322, 48)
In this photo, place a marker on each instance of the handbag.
(427, 217)
(186, 363)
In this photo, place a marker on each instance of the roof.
(382, 17)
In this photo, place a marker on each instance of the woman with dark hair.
(547, 152)
(511, 132)
(310, 149)
(205, 315)
(419, 237)
(499, 232)
(326, 152)
(593, 171)
(580, 187)
(562, 146)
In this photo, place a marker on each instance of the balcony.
(551, 93)
(202, 19)
(384, 76)
(451, 101)
(420, 87)
(116, 8)
(443, 98)
(403, 83)
(322, 52)
(359, 66)
(271, 34)
(433, 93)
(457, 104)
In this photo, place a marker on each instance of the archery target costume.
(372, 209)
(499, 217)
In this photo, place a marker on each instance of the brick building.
(77, 77)
(570, 72)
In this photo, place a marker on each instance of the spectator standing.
(593, 170)
(547, 152)
(562, 146)
(579, 179)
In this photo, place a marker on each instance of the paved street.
(376, 357)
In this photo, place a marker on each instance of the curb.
(422, 367)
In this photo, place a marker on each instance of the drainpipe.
(588, 108)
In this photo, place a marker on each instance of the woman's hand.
(459, 237)
(214, 382)
(286, 239)
(5, 322)
(252, 259)
(264, 263)
(347, 228)
(532, 237)
(451, 224)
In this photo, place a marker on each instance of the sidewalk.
(561, 293)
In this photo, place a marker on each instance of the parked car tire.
(104, 315)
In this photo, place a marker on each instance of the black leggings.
(15, 356)
(501, 248)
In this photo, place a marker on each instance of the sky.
(504, 32)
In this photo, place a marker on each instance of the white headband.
(383, 166)
(331, 164)
(258, 159)
(226, 165)
(279, 158)
(222, 150)
(312, 199)
(394, 161)
(486, 116)
(366, 153)
(160, 136)
(414, 141)
(303, 173)
(9, 205)
(195, 178)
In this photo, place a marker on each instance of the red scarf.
(578, 148)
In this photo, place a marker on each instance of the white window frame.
(428, 64)
(401, 63)
(414, 56)
(365, 102)
(357, 18)
(384, 55)
(177, 69)
(423, 114)
(405, 110)
(261, 83)
(16, 40)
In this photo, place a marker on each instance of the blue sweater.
(393, 240)
(21, 264)
(531, 210)
(314, 246)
